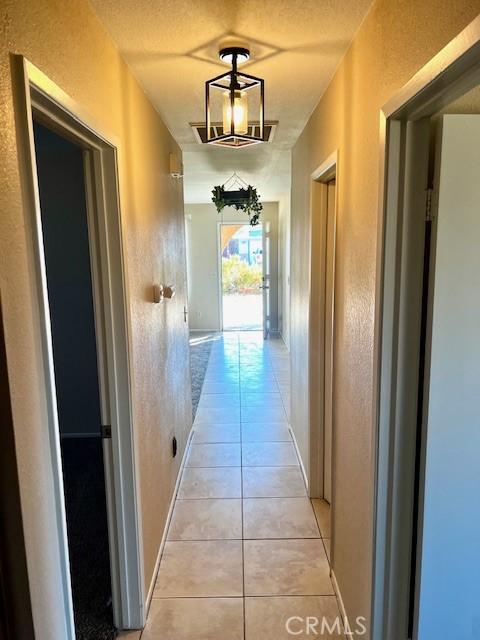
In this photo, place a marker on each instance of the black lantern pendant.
(235, 104)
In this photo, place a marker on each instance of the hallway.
(245, 550)
(174, 179)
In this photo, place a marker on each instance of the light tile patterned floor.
(245, 550)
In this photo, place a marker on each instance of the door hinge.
(106, 431)
(428, 205)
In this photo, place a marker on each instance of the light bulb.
(240, 113)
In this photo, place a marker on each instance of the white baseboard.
(167, 524)
(130, 634)
(284, 341)
(202, 331)
(341, 604)
(304, 473)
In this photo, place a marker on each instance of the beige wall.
(395, 40)
(203, 259)
(66, 41)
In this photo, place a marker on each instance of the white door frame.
(316, 350)
(36, 93)
(220, 275)
(227, 223)
(404, 130)
(266, 278)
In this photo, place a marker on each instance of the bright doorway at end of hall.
(241, 273)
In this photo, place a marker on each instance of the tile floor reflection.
(246, 549)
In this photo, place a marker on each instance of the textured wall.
(395, 40)
(66, 41)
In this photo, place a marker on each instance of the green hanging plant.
(243, 198)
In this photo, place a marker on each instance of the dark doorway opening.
(62, 189)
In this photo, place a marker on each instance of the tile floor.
(246, 548)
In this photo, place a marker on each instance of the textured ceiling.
(171, 47)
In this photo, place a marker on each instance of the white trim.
(45, 373)
(327, 170)
(241, 223)
(63, 114)
(341, 604)
(295, 444)
(282, 338)
(130, 635)
(220, 275)
(266, 266)
(322, 172)
(451, 72)
(459, 55)
(38, 79)
(167, 523)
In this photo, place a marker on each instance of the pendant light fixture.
(234, 103)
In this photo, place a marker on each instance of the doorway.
(242, 277)
(75, 326)
(449, 435)
(426, 535)
(329, 337)
(43, 110)
(322, 329)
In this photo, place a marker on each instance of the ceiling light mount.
(234, 53)
(235, 99)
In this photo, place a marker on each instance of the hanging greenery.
(241, 197)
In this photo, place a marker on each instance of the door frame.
(266, 287)
(36, 94)
(226, 223)
(220, 276)
(403, 183)
(319, 180)
(16, 620)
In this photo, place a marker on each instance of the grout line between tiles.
(280, 595)
(243, 388)
(248, 539)
(251, 595)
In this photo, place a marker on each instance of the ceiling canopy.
(172, 48)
